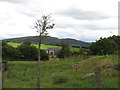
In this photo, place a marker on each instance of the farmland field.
(57, 73)
(43, 46)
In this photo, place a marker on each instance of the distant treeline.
(103, 46)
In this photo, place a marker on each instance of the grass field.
(57, 73)
(43, 46)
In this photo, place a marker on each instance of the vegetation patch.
(59, 74)
(60, 79)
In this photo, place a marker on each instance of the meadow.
(59, 73)
(43, 46)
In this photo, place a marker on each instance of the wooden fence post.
(97, 77)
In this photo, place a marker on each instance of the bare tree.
(42, 25)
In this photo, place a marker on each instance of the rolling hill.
(51, 40)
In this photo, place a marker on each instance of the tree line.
(104, 46)
(25, 52)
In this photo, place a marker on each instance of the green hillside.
(60, 73)
(43, 46)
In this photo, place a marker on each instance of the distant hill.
(51, 40)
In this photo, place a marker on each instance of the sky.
(85, 20)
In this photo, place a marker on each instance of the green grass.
(20, 75)
(43, 46)
(14, 44)
(60, 73)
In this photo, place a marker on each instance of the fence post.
(97, 77)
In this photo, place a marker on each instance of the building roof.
(51, 49)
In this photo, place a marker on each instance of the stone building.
(52, 51)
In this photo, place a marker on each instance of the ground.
(60, 73)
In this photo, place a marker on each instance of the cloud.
(103, 26)
(14, 1)
(97, 27)
(81, 34)
(72, 20)
(82, 15)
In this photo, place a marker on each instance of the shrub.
(85, 52)
(64, 51)
(44, 55)
(23, 52)
(9, 52)
(28, 52)
(4, 42)
(105, 46)
(31, 52)
(27, 43)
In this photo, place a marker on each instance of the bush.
(105, 46)
(27, 43)
(23, 52)
(9, 52)
(44, 55)
(28, 52)
(31, 52)
(4, 43)
(64, 51)
(102, 47)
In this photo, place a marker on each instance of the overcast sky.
(85, 20)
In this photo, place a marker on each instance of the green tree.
(102, 47)
(64, 51)
(4, 43)
(28, 52)
(27, 43)
(9, 52)
(44, 56)
(116, 42)
(84, 52)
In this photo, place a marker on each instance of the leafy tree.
(116, 41)
(105, 46)
(84, 52)
(4, 43)
(64, 51)
(27, 43)
(9, 52)
(42, 25)
(44, 56)
(28, 52)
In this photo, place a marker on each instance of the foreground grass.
(60, 73)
